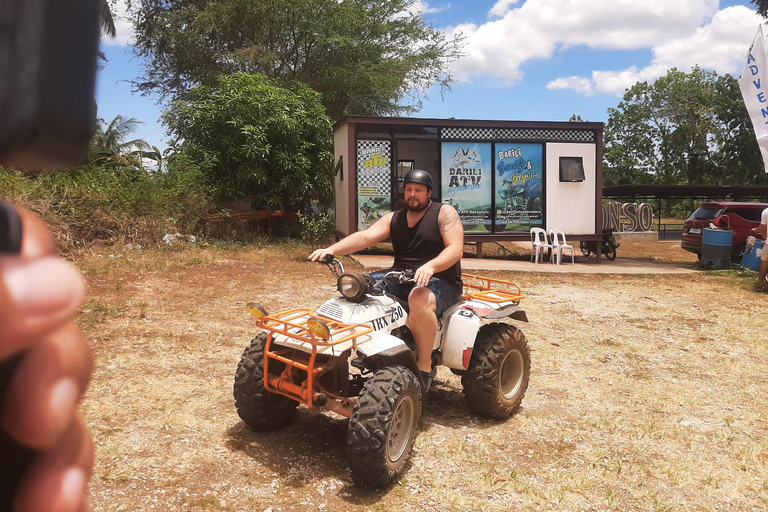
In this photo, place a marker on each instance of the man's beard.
(419, 207)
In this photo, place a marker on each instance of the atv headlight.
(352, 286)
(319, 328)
(256, 310)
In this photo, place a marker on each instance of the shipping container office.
(503, 177)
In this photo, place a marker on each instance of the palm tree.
(108, 28)
(106, 20)
(110, 145)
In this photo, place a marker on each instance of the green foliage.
(316, 226)
(110, 147)
(363, 56)
(264, 143)
(686, 128)
(100, 202)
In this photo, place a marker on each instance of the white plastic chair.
(539, 242)
(558, 244)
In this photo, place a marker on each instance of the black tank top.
(417, 245)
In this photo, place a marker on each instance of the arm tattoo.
(448, 217)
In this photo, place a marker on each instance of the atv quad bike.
(355, 356)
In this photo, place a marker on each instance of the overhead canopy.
(702, 192)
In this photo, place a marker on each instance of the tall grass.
(109, 204)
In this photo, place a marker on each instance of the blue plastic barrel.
(716, 247)
(751, 259)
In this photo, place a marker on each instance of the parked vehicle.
(740, 217)
(608, 246)
(355, 356)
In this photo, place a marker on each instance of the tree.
(686, 128)
(762, 7)
(106, 19)
(267, 144)
(363, 56)
(109, 145)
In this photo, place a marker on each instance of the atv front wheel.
(383, 426)
(499, 370)
(259, 408)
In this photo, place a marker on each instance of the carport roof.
(703, 192)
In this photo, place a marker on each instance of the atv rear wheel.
(259, 408)
(383, 426)
(499, 370)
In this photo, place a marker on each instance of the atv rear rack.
(299, 352)
(510, 292)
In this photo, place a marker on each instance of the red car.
(740, 217)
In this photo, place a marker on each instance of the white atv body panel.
(459, 332)
(381, 312)
(461, 324)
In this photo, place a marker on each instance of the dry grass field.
(647, 393)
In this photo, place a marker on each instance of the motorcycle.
(355, 356)
(608, 246)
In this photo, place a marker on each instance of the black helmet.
(420, 177)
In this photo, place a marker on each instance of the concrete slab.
(618, 266)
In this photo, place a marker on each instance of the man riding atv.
(428, 237)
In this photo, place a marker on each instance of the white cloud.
(422, 7)
(720, 45)
(680, 33)
(581, 85)
(502, 7)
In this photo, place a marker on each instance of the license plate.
(695, 231)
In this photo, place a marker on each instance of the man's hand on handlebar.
(322, 255)
(423, 274)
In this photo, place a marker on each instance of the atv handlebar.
(393, 276)
(336, 266)
(400, 276)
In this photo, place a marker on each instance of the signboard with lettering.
(466, 182)
(374, 179)
(519, 186)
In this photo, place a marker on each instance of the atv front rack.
(292, 343)
(480, 288)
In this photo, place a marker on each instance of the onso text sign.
(627, 216)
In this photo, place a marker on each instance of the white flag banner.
(754, 88)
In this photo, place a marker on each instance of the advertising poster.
(519, 186)
(466, 182)
(374, 178)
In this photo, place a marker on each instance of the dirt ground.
(647, 393)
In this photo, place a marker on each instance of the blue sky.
(534, 60)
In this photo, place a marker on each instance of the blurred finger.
(47, 386)
(58, 479)
(36, 239)
(36, 296)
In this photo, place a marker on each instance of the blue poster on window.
(466, 182)
(519, 186)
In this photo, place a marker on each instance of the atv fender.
(380, 349)
(510, 311)
(464, 321)
(460, 334)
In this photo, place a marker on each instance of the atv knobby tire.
(498, 373)
(259, 408)
(383, 426)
